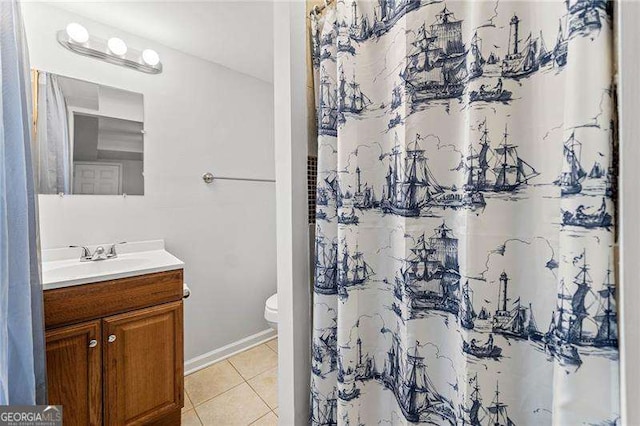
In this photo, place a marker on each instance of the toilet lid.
(272, 303)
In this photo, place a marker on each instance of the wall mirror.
(89, 138)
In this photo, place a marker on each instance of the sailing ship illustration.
(494, 94)
(561, 48)
(322, 197)
(466, 314)
(544, 56)
(498, 415)
(493, 59)
(598, 219)
(475, 413)
(533, 332)
(572, 175)
(607, 335)
(324, 352)
(430, 277)
(327, 106)
(510, 170)
(350, 97)
(509, 322)
(487, 350)
(436, 68)
(321, 214)
(353, 270)
(364, 196)
(410, 185)
(518, 63)
(585, 16)
(476, 61)
(324, 411)
(566, 330)
(406, 376)
(326, 267)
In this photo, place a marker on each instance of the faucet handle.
(111, 253)
(86, 253)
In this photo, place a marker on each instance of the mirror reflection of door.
(89, 138)
(97, 178)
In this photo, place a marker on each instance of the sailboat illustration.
(430, 278)
(544, 56)
(347, 389)
(509, 322)
(396, 96)
(466, 314)
(344, 40)
(561, 48)
(498, 411)
(510, 170)
(572, 175)
(557, 339)
(327, 106)
(475, 414)
(326, 268)
(406, 375)
(436, 67)
(350, 97)
(352, 270)
(476, 61)
(519, 63)
(364, 196)
(410, 186)
(607, 317)
(533, 332)
(597, 171)
(324, 412)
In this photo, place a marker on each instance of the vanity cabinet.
(119, 361)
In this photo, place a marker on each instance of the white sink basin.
(62, 267)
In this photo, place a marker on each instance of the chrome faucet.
(99, 254)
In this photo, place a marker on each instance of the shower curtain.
(22, 353)
(464, 252)
(53, 167)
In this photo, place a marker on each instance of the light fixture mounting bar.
(97, 48)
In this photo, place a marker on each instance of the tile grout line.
(214, 397)
(251, 387)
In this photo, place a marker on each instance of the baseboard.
(198, 363)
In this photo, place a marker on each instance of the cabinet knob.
(111, 338)
(93, 343)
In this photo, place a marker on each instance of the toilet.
(271, 311)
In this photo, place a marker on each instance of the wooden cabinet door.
(74, 372)
(143, 365)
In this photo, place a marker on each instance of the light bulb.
(77, 33)
(117, 46)
(150, 57)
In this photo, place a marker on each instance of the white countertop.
(62, 267)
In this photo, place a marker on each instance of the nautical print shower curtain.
(464, 268)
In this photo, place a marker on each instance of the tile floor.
(241, 390)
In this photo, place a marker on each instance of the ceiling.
(236, 34)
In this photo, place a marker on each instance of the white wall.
(198, 117)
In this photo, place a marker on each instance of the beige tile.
(239, 406)
(268, 420)
(187, 402)
(266, 386)
(273, 344)
(190, 418)
(211, 381)
(254, 361)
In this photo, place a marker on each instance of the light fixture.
(150, 57)
(77, 33)
(117, 46)
(76, 38)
